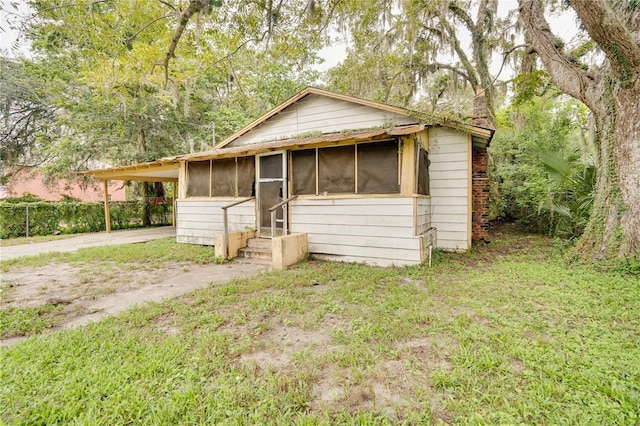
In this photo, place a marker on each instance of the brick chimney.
(479, 178)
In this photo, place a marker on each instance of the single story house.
(345, 178)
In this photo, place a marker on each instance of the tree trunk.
(146, 217)
(612, 93)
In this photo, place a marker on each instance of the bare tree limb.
(568, 76)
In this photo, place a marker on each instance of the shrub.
(46, 218)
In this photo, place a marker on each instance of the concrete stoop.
(257, 248)
(279, 252)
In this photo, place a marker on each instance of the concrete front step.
(264, 243)
(255, 252)
(253, 261)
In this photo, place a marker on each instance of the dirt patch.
(106, 289)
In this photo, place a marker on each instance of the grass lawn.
(506, 334)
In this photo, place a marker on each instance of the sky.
(564, 26)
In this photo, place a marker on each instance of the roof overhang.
(154, 171)
(308, 142)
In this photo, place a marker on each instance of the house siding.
(200, 220)
(449, 175)
(321, 114)
(423, 215)
(377, 231)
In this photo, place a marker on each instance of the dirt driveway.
(75, 295)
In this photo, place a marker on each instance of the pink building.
(31, 181)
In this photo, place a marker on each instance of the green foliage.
(46, 218)
(570, 192)
(542, 167)
(94, 88)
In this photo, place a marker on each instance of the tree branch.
(438, 65)
(568, 76)
(454, 7)
(195, 6)
(611, 34)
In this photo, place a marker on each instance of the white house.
(345, 178)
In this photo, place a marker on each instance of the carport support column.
(107, 215)
(175, 203)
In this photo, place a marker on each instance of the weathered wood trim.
(182, 180)
(408, 167)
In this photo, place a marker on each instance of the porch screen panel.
(303, 168)
(246, 176)
(223, 178)
(198, 179)
(422, 170)
(378, 168)
(337, 169)
(270, 195)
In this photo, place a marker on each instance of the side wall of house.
(377, 230)
(321, 114)
(450, 175)
(423, 215)
(199, 220)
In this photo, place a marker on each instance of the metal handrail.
(226, 223)
(273, 210)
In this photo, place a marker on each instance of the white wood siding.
(449, 185)
(377, 231)
(316, 113)
(423, 215)
(200, 220)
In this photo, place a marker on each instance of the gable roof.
(481, 132)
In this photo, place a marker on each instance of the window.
(226, 177)
(198, 178)
(336, 171)
(303, 171)
(223, 178)
(422, 170)
(246, 176)
(378, 168)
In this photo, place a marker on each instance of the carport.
(163, 170)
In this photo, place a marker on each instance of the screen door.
(271, 188)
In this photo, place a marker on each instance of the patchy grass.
(505, 334)
(152, 254)
(67, 279)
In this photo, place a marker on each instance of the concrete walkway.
(87, 240)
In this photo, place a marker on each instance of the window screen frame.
(236, 185)
(398, 159)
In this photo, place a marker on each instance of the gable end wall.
(316, 113)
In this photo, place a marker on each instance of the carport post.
(175, 197)
(107, 215)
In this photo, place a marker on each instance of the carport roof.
(166, 169)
